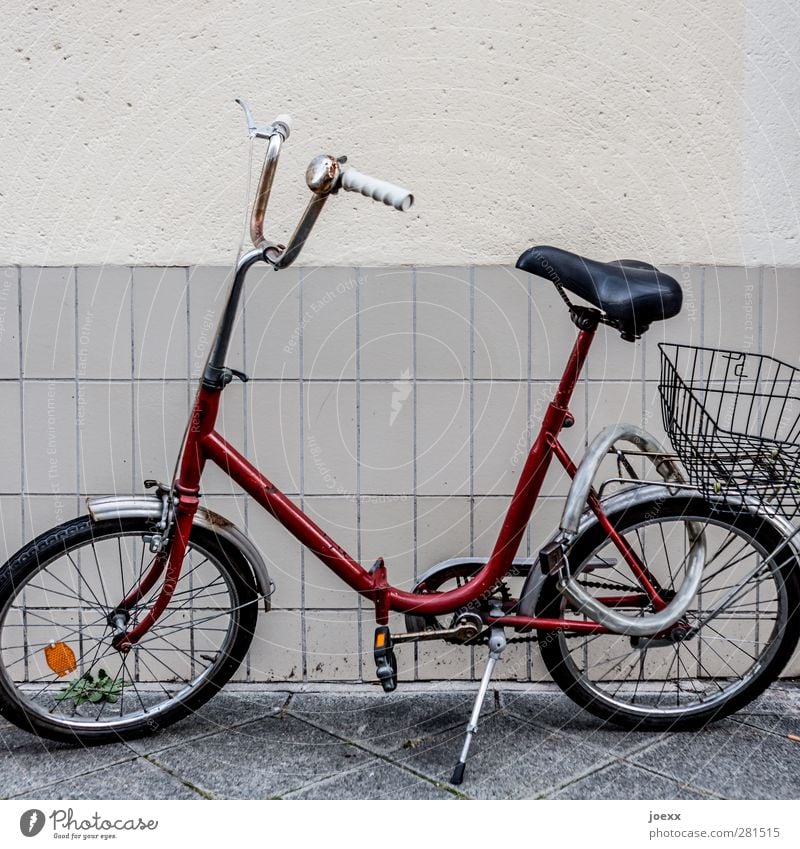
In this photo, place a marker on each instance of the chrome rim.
(67, 601)
(706, 670)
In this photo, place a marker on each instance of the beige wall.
(664, 130)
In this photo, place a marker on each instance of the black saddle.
(632, 294)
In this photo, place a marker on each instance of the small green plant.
(88, 689)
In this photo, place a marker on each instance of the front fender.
(630, 496)
(151, 507)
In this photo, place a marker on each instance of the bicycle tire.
(612, 698)
(53, 561)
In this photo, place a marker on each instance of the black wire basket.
(734, 420)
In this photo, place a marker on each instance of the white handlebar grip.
(354, 181)
(286, 120)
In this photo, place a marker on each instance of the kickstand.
(497, 643)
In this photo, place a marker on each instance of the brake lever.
(281, 125)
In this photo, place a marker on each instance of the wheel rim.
(67, 601)
(702, 673)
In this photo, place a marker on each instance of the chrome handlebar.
(325, 175)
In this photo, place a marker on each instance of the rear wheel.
(61, 678)
(730, 660)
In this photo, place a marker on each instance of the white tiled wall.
(395, 404)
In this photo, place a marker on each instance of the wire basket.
(734, 420)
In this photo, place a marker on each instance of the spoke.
(82, 579)
(100, 573)
(729, 564)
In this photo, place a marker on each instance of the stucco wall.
(666, 130)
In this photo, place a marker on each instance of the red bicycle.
(658, 605)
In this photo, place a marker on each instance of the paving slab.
(375, 780)
(385, 722)
(556, 711)
(265, 758)
(624, 781)
(730, 759)
(510, 758)
(223, 712)
(27, 762)
(137, 779)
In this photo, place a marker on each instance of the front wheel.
(60, 676)
(731, 659)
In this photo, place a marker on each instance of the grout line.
(414, 444)
(528, 439)
(204, 794)
(135, 460)
(360, 617)
(386, 758)
(245, 502)
(471, 413)
(77, 399)
(302, 395)
(23, 479)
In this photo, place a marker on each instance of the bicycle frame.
(202, 444)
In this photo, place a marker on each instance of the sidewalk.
(354, 742)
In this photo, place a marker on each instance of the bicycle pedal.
(385, 660)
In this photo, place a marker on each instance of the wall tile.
(386, 324)
(48, 322)
(11, 444)
(159, 323)
(502, 304)
(9, 322)
(443, 438)
(104, 323)
(49, 412)
(330, 438)
(443, 323)
(105, 437)
(329, 322)
(272, 323)
(387, 437)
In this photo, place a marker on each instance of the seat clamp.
(585, 318)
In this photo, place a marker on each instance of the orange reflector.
(60, 658)
(380, 639)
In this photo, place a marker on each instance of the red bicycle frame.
(202, 444)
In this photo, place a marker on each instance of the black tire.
(708, 694)
(215, 580)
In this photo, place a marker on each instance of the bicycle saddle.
(631, 293)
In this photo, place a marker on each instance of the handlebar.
(325, 176)
(354, 181)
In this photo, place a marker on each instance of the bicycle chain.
(609, 585)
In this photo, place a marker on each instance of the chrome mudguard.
(152, 506)
(631, 496)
